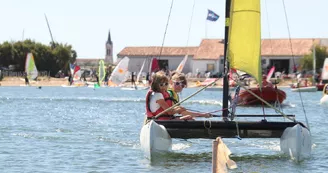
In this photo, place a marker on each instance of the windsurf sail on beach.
(118, 75)
(75, 71)
(270, 73)
(153, 65)
(102, 71)
(182, 64)
(139, 74)
(30, 68)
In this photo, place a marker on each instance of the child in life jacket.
(159, 99)
(178, 82)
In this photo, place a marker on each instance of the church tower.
(109, 50)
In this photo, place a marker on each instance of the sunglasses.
(163, 84)
(179, 84)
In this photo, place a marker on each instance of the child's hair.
(179, 76)
(158, 78)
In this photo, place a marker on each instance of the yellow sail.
(244, 47)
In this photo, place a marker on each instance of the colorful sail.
(118, 75)
(324, 73)
(30, 68)
(154, 65)
(101, 71)
(75, 72)
(244, 49)
(270, 73)
(182, 64)
(139, 74)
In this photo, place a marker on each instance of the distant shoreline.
(45, 81)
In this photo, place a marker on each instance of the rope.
(167, 24)
(177, 104)
(291, 46)
(208, 128)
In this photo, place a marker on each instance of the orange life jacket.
(150, 114)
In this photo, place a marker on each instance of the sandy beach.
(45, 81)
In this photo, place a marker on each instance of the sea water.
(57, 129)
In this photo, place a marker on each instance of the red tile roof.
(214, 48)
(287, 47)
(155, 51)
(210, 49)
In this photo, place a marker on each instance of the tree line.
(57, 56)
(51, 58)
(321, 54)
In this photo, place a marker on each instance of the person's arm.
(196, 114)
(165, 106)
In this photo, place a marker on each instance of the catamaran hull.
(154, 139)
(320, 86)
(269, 94)
(69, 86)
(324, 100)
(305, 89)
(296, 141)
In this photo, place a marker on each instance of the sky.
(85, 24)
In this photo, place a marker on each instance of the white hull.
(154, 139)
(70, 86)
(132, 88)
(305, 89)
(324, 100)
(296, 141)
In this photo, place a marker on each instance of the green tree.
(320, 54)
(53, 57)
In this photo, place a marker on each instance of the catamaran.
(242, 52)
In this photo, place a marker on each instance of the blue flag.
(211, 16)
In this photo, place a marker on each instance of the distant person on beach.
(97, 79)
(106, 78)
(70, 79)
(27, 82)
(147, 78)
(133, 83)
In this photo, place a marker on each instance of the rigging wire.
(271, 49)
(192, 14)
(167, 24)
(291, 46)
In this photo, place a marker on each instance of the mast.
(225, 61)
(52, 39)
(314, 64)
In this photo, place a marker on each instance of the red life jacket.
(150, 114)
